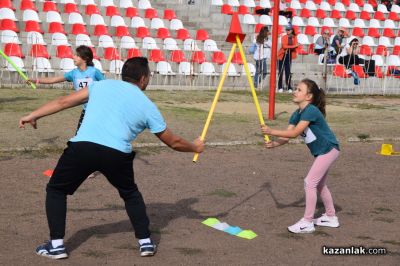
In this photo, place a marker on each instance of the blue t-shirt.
(318, 136)
(82, 79)
(117, 111)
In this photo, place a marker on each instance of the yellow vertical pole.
(253, 91)
(210, 113)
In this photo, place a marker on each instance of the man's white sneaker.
(280, 90)
(290, 91)
(302, 226)
(325, 220)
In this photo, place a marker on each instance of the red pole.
(274, 55)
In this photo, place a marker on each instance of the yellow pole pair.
(221, 82)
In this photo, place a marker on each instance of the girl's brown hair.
(263, 35)
(86, 54)
(318, 95)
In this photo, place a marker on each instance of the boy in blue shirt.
(117, 111)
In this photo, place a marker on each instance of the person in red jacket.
(286, 54)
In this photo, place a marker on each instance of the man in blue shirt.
(117, 111)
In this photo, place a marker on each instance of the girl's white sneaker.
(302, 226)
(325, 220)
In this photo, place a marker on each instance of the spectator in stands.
(349, 57)
(261, 51)
(282, 11)
(191, 2)
(286, 54)
(396, 71)
(388, 4)
(337, 41)
(322, 43)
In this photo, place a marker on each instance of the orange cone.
(235, 29)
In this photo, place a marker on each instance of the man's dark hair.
(135, 68)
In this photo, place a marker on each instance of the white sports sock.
(144, 241)
(57, 242)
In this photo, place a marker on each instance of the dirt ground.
(245, 185)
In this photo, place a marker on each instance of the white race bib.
(308, 135)
(83, 83)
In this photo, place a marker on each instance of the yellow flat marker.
(387, 150)
(210, 221)
(247, 234)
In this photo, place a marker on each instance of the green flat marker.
(210, 221)
(248, 234)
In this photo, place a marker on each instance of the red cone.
(235, 29)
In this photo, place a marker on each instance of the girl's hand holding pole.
(266, 130)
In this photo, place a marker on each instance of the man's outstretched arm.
(179, 144)
(54, 106)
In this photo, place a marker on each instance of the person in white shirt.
(262, 52)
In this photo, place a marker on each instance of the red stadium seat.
(320, 14)
(79, 29)
(121, 31)
(8, 24)
(358, 32)
(350, 15)
(142, 32)
(373, 3)
(56, 27)
(182, 34)
(218, 57)
(131, 12)
(378, 72)
(163, 33)
(49, 6)
(156, 55)
(111, 53)
(32, 25)
(64, 51)
(345, 2)
(177, 56)
(301, 50)
(311, 48)
(70, 8)
(396, 50)
(394, 16)
(100, 30)
(365, 15)
(91, 9)
(305, 13)
(134, 52)
(332, 2)
(318, 2)
(373, 32)
(13, 49)
(150, 13)
(365, 50)
(237, 58)
(169, 14)
(198, 57)
(340, 71)
(379, 16)
(296, 29)
(112, 11)
(258, 27)
(310, 30)
(360, 3)
(381, 50)
(359, 71)
(226, 9)
(6, 4)
(27, 5)
(243, 10)
(303, 1)
(39, 50)
(336, 14)
(389, 33)
(202, 35)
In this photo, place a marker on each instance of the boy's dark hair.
(135, 68)
(86, 54)
(318, 94)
